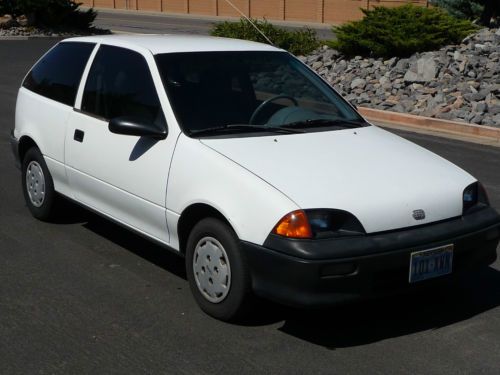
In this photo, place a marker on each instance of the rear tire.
(38, 186)
(217, 271)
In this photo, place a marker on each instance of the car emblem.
(419, 214)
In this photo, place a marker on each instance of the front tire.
(217, 271)
(38, 186)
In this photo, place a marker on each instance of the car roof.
(166, 43)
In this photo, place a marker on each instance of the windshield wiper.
(350, 124)
(272, 129)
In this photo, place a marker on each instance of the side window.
(57, 75)
(120, 84)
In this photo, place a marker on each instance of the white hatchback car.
(239, 157)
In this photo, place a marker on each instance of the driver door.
(121, 176)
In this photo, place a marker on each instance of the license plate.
(427, 264)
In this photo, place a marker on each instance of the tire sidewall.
(44, 212)
(232, 306)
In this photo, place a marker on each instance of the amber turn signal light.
(294, 225)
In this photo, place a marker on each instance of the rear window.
(57, 75)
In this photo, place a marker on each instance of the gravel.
(30, 31)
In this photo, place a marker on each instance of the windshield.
(250, 91)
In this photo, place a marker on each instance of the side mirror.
(129, 125)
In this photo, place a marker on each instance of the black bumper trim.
(303, 282)
(413, 237)
(14, 144)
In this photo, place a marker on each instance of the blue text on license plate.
(427, 264)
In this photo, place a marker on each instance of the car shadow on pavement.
(69, 212)
(371, 321)
(347, 325)
(142, 247)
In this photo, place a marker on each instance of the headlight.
(474, 196)
(318, 223)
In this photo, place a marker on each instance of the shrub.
(401, 31)
(65, 13)
(51, 13)
(466, 9)
(481, 11)
(298, 42)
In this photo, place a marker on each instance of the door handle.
(79, 134)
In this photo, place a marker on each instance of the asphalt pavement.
(83, 295)
(161, 23)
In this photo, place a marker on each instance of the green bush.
(481, 11)
(298, 42)
(466, 9)
(401, 31)
(51, 13)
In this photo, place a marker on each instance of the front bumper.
(14, 144)
(322, 272)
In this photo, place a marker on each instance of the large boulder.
(422, 70)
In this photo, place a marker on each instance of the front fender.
(200, 174)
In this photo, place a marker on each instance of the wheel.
(38, 186)
(216, 269)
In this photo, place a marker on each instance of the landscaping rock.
(358, 83)
(30, 31)
(479, 107)
(26, 20)
(7, 21)
(494, 109)
(458, 82)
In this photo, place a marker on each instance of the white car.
(237, 156)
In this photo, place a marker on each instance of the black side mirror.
(130, 125)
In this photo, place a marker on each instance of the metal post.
(215, 7)
(320, 12)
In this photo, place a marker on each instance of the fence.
(322, 11)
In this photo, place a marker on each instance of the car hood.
(373, 174)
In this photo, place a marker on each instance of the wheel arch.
(192, 215)
(25, 143)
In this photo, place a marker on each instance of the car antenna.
(249, 20)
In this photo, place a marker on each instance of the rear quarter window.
(57, 75)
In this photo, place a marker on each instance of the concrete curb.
(450, 129)
(13, 37)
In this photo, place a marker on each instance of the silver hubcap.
(35, 183)
(212, 271)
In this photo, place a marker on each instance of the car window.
(271, 77)
(220, 89)
(120, 84)
(57, 75)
